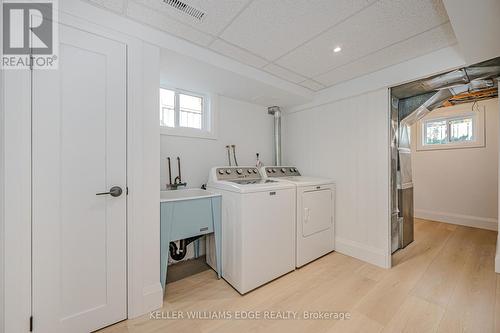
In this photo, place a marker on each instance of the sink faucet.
(177, 180)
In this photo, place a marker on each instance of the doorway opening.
(444, 155)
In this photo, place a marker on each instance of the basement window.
(450, 128)
(184, 113)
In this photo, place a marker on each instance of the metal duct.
(395, 222)
(452, 79)
(432, 103)
(441, 96)
(482, 84)
(461, 77)
(276, 112)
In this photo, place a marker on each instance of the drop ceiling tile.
(284, 73)
(117, 6)
(378, 26)
(163, 22)
(219, 13)
(424, 43)
(271, 28)
(312, 85)
(237, 53)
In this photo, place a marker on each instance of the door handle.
(115, 191)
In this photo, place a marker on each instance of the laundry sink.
(185, 194)
(188, 213)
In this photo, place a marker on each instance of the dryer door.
(317, 211)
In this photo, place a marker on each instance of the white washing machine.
(258, 226)
(315, 211)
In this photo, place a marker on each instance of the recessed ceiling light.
(337, 49)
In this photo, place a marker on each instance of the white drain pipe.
(276, 112)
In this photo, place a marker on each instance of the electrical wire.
(475, 105)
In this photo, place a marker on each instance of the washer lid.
(306, 181)
(241, 186)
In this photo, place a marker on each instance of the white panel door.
(79, 149)
(317, 206)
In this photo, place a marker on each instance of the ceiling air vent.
(185, 8)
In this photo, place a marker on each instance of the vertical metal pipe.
(277, 137)
(228, 148)
(179, 167)
(234, 155)
(276, 112)
(169, 172)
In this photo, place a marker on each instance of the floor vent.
(185, 8)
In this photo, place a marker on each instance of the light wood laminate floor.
(443, 282)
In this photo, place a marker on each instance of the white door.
(79, 149)
(317, 207)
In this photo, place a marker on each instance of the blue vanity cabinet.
(186, 217)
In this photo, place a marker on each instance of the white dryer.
(258, 226)
(315, 211)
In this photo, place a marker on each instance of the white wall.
(459, 185)
(497, 257)
(246, 125)
(2, 194)
(143, 208)
(348, 140)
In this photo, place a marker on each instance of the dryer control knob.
(221, 172)
(228, 171)
(291, 170)
(239, 171)
(249, 171)
(283, 170)
(254, 170)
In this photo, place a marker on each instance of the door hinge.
(31, 324)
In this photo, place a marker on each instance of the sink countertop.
(185, 194)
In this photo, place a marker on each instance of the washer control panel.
(281, 171)
(230, 173)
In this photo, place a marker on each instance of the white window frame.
(451, 113)
(208, 116)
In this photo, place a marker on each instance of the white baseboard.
(466, 220)
(152, 298)
(363, 252)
